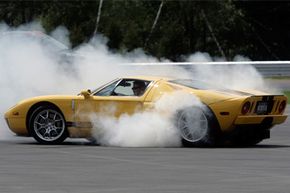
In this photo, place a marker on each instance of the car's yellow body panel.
(17, 115)
(226, 107)
(234, 116)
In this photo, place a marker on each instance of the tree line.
(169, 29)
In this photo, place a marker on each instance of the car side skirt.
(80, 129)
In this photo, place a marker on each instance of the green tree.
(258, 29)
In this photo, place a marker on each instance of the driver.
(138, 88)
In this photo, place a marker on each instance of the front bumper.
(17, 125)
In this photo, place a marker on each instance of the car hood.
(26, 103)
(49, 98)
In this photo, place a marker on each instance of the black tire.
(47, 125)
(198, 127)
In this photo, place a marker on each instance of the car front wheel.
(47, 125)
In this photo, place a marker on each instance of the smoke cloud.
(31, 67)
(151, 128)
(234, 76)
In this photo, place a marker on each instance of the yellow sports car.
(223, 116)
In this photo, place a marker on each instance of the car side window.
(131, 87)
(139, 87)
(107, 91)
(124, 88)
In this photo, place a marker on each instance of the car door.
(113, 100)
(120, 98)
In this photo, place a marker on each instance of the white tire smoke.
(27, 69)
(151, 128)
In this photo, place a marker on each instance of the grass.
(287, 93)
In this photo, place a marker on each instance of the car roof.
(149, 78)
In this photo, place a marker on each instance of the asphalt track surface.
(77, 167)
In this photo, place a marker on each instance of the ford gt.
(225, 116)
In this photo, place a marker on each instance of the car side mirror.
(86, 93)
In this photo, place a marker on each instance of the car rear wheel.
(47, 125)
(196, 127)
